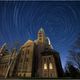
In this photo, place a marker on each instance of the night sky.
(20, 21)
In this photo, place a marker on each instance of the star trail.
(20, 21)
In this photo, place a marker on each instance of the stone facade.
(25, 58)
(34, 59)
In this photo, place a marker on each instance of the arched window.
(50, 66)
(45, 66)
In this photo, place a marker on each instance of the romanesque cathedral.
(34, 59)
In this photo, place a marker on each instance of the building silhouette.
(34, 59)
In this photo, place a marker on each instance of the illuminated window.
(45, 66)
(50, 66)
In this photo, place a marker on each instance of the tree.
(71, 71)
(73, 63)
(74, 53)
(74, 57)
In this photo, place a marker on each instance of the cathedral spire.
(41, 30)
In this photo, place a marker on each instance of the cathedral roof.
(28, 42)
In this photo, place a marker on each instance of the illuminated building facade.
(34, 59)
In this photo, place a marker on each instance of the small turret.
(48, 43)
(3, 49)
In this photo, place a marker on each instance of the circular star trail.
(20, 21)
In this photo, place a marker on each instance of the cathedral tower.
(41, 36)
